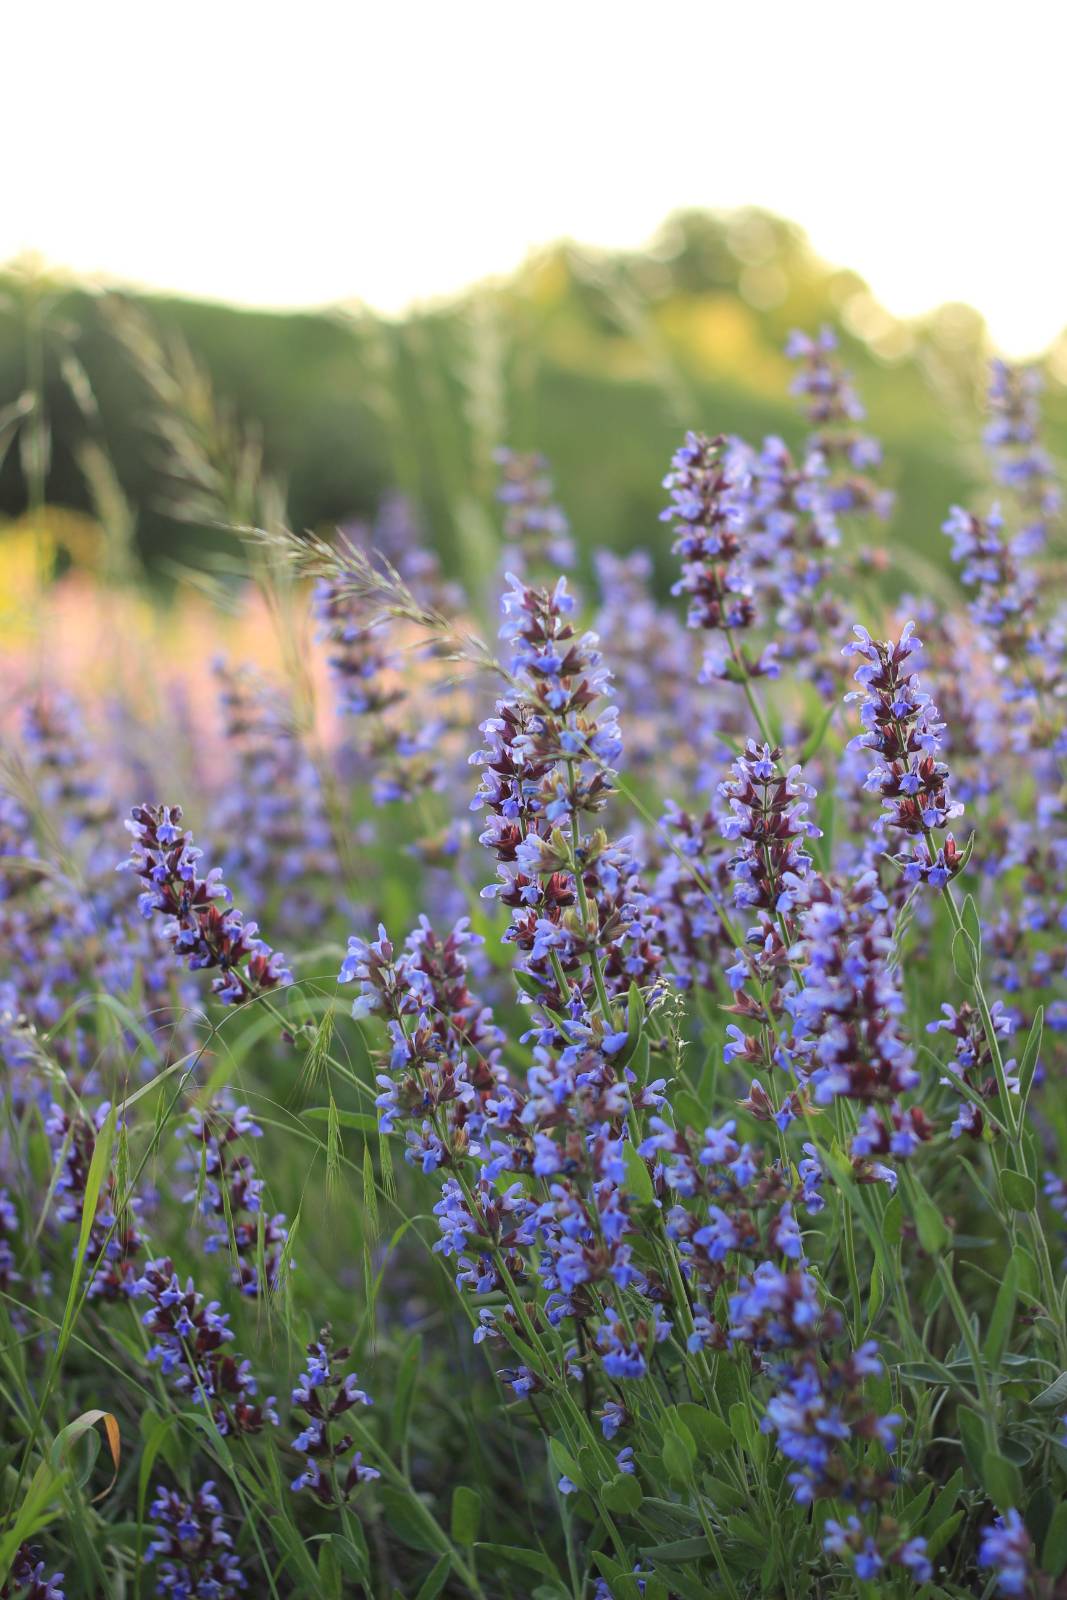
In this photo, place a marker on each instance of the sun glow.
(273, 156)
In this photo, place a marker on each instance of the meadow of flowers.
(643, 1173)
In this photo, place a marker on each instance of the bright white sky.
(291, 154)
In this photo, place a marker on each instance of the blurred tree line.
(598, 359)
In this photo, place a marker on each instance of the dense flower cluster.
(971, 1067)
(272, 814)
(9, 1227)
(190, 1338)
(708, 521)
(444, 1063)
(901, 726)
(997, 564)
(202, 932)
(536, 531)
(652, 665)
(834, 411)
(851, 1540)
(691, 888)
(547, 765)
(1005, 597)
(229, 1194)
(847, 1011)
(114, 1241)
(28, 1579)
(791, 540)
(193, 1554)
(324, 1396)
(65, 776)
(676, 1142)
(1007, 1548)
(1013, 438)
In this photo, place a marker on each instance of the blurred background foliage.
(598, 359)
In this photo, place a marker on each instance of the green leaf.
(1019, 1190)
(682, 1433)
(38, 1508)
(329, 1570)
(623, 1494)
(1054, 1396)
(1054, 1549)
(86, 1423)
(408, 1523)
(941, 1509)
(972, 1438)
(565, 1463)
(1003, 1314)
(892, 1221)
(711, 1433)
(99, 1168)
(929, 1223)
(965, 854)
(635, 1021)
(535, 1560)
(466, 1514)
(965, 957)
(741, 1425)
(404, 1395)
(670, 1515)
(920, 1372)
(723, 1496)
(677, 1461)
(819, 732)
(156, 1432)
(972, 923)
(912, 1510)
(638, 1178)
(354, 1560)
(1018, 1451)
(360, 1120)
(941, 1535)
(436, 1579)
(1028, 1063)
(1001, 1480)
(688, 1111)
(684, 1586)
(640, 1061)
(678, 1550)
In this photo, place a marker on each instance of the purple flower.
(271, 811)
(1013, 438)
(190, 1340)
(203, 928)
(833, 410)
(547, 766)
(228, 1192)
(325, 1396)
(114, 1243)
(1006, 1546)
(707, 521)
(193, 1553)
(29, 1574)
(536, 532)
(444, 1058)
(902, 729)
